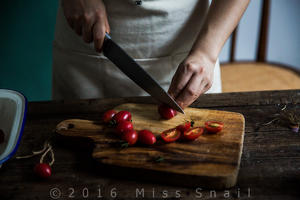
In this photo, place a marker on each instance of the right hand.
(88, 19)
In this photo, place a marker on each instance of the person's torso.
(156, 28)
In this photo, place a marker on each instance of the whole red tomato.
(108, 115)
(123, 127)
(43, 170)
(122, 116)
(166, 112)
(130, 136)
(146, 137)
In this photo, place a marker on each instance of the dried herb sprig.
(285, 117)
(290, 116)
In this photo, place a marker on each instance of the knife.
(136, 73)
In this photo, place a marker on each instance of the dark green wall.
(27, 29)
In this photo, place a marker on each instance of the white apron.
(158, 34)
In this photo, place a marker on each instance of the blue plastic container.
(13, 107)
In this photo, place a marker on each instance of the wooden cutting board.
(211, 161)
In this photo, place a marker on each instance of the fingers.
(107, 27)
(98, 35)
(191, 92)
(78, 28)
(88, 19)
(197, 85)
(91, 30)
(87, 33)
(179, 81)
(206, 87)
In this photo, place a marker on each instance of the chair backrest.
(263, 35)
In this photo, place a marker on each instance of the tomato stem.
(112, 123)
(159, 159)
(192, 123)
(124, 145)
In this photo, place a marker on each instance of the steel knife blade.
(136, 73)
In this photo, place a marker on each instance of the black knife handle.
(105, 45)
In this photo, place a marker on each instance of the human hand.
(194, 76)
(88, 19)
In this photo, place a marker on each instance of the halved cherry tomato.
(146, 137)
(123, 127)
(166, 112)
(213, 126)
(122, 116)
(193, 133)
(108, 115)
(170, 135)
(184, 127)
(130, 136)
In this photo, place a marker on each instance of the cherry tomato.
(184, 127)
(130, 136)
(166, 112)
(2, 135)
(43, 170)
(108, 115)
(122, 116)
(213, 126)
(123, 127)
(170, 135)
(146, 137)
(193, 133)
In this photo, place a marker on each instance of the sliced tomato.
(213, 126)
(171, 135)
(193, 133)
(184, 127)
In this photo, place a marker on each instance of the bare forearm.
(222, 18)
(194, 75)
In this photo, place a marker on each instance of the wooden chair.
(258, 75)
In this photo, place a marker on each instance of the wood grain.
(213, 158)
(269, 166)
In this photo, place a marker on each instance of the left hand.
(193, 77)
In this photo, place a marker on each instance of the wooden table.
(270, 166)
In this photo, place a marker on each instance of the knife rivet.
(139, 2)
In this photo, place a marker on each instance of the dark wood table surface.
(270, 165)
